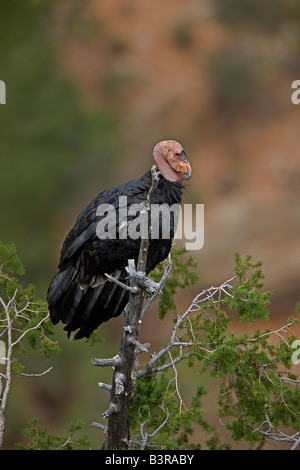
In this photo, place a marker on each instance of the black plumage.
(80, 295)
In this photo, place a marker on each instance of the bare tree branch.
(5, 392)
(117, 432)
(37, 375)
(13, 312)
(275, 434)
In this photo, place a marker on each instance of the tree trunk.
(117, 432)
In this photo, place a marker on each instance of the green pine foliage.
(257, 390)
(258, 397)
(40, 438)
(25, 328)
(183, 275)
(248, 298)
(158, 417)
(22, 313)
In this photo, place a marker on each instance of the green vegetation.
(22, 313)
(183, 275)
(41, 439)
(257, 395)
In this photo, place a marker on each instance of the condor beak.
(188, 169)
(188, 174)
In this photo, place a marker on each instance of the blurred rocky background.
(91, 87)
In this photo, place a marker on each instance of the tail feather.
(87, 304)
(60, 284)
(110, 303)
(83, 308)
(71, 303)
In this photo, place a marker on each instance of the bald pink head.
(172, 161)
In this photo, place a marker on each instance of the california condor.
(80, 295)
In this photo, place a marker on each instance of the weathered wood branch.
(117, 434)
